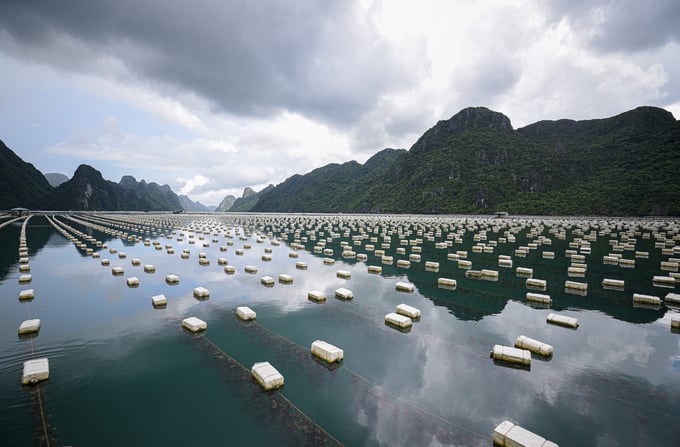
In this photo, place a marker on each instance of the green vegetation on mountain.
(476, 163)
(249, 199)
(88, 190)
(21, 184)
(225, 204)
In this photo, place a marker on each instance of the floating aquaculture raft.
(267, 376)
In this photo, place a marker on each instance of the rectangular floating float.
(646, 299)
(267, 376)
(35, 370)
(267, 281)
(344, 293)
(664, 280)
(524, 271)
(301, 265)
(25, 278)
(201, 292)
(136, 261)
(507, 434)
(133, 281)
(327, 351)
(431, 266)
(230, 270)
(117, 271)
(27, 294)
(672, 298)
(345, 274)
(510, 354)
(395, 319)
(159, 300)
(29, 326)
(404, 286)
(534, 346)
(447, 283)
(562, 320)
(245, 313)
(539, 298)
(675, 323)
(403, 263)
(609, 283)
(574, 285)
(534, 283)
(316, 296)
(250, 269)
(285, 278)
(172, 279)
(409, 311)
(194, 324)
(506, 263)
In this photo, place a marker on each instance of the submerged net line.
(378, 387)
(308, 430)
(45, 432)
(583, 388)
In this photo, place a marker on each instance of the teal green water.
(124, 373)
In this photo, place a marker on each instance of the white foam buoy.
(159, 300)
(267, 376)
(646, 299)
(25, 278)
(617, 284)
(250, 269)
(402, 286)
(510, 354)
(344, 293)
(447, 283)
(316, 296)
(194, 324)
(27, 294)
(327, 351)
(29, 326)
(562, 320)
(538, 298)
(201, 292)
(409, 311)
(35, 371)
(534, 346)
(117, 271)
(301, 265)
(507, 434)
(172, 279)
(344, 274)
(375, 269)
(133, 281)
(574, 285)
(395, 319)
(245, 313)
(267, 281)
(672, 298)
(285, 278)
(533, 283)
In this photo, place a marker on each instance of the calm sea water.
(125, 374)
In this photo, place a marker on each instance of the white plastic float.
(395, 319)
(159, 300)
(266, 375)
(534, 346)
(344, 293)
(27, 294)
(402, 286)
(646, 299)
(538, 298)
(327, 351)
(29, 326)
(562, 320)
(409, 311)
(194, 324)
(510, 354)
(172, 279)
(201, 292)
(507, 434)
(245, 313)
(316, 296)
(35, 371)
(285, 278)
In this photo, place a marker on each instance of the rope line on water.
(396, 397)
(278, 392)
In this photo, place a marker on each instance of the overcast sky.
(210, 96)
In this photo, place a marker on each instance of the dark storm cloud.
(626, 25)
(319, 58)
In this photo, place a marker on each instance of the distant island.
(474, 162)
